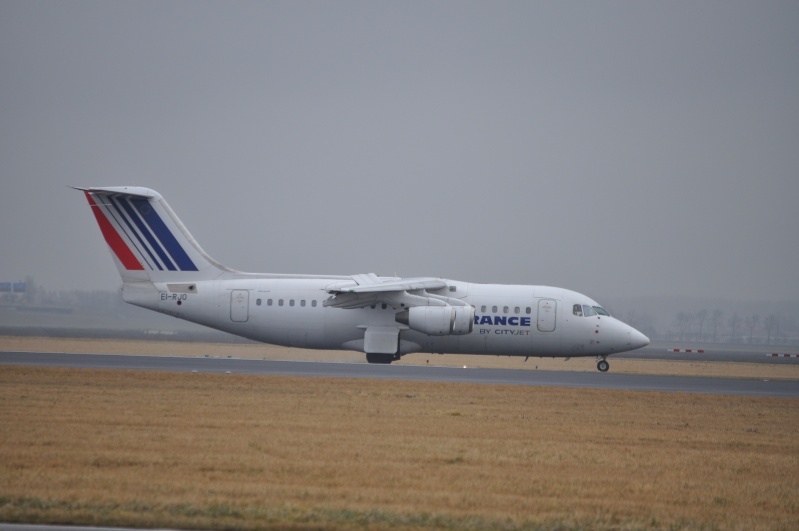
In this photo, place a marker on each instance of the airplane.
(164, 269)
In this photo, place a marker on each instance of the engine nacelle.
(439, 320)
(464, 320)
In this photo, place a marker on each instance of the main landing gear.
(383, 359)
(602, 365)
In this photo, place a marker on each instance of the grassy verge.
(226, 516)
(242, 452)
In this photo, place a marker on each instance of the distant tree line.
(94, 301)
(705, 326)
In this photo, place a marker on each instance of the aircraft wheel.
(384, 359)
(602, 366)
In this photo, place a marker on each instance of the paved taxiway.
(588, 380)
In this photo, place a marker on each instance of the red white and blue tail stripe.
(146, 238)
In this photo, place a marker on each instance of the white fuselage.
(163, 268)
(510, 320)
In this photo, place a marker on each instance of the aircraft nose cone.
(637, 339)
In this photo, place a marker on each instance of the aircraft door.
(547, 315)
(239, 305)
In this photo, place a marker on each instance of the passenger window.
(302, 303)
(313, 303)
(280, 302)
(269, 302)
(505, 309)
(383, 305)
(291, 302)
(517, 310)
(588, 311)
(577, 310)
(528, 310)
(494, 309)
(257, 302)
(483, 309)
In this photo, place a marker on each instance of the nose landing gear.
(602, 365)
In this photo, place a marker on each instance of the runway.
(586, 380)
(741, 354)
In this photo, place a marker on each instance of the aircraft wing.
(369, 289)
(371, 283)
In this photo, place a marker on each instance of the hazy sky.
(626, 148)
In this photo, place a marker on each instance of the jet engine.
(439, 320)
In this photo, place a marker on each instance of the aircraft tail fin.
(147, 240)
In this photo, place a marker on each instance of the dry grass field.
(200, 451)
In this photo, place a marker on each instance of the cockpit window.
(583, 310)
